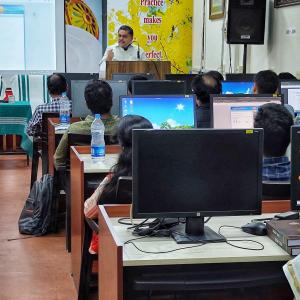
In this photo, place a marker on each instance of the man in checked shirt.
(57, 86)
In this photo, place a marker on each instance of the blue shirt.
(276, 169)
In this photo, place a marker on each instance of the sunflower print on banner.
(79, 14)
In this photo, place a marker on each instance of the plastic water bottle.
(97, 143)
(64, 110)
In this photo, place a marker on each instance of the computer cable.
(228, 241)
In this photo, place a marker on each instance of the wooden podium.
(157, 68)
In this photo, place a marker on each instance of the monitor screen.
(77, 76)
(237, 111)
(197, 172)
(291, 93)
(239, 77)
(79, 108)
(237, 87)
(188, 78)
(158, 87)
(127, 76)
(162, 111)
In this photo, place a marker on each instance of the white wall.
(281, 52)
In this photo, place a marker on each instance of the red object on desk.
(8, 92)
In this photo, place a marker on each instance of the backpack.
(37, 216)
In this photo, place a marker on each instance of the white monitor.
(291, 93)
(237, 112)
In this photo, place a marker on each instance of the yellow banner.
(163, 28)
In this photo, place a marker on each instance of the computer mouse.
(255, 228)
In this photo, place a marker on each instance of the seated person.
(106, 191)
(286, 76)
(266, 82)
(216, 75)
(57, 86)
(98, 97)
(276, 121)
(203, 86)
(133, 78)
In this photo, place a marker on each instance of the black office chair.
(272, 190)
(88, 280)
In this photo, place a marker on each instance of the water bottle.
(64, 110)
(97, 143)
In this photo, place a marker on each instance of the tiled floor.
(34, 268)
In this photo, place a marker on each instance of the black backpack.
(37, 216)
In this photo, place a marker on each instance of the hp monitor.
(79, 108)
(237, 87)
(158, 87)
(237, 111)
(188, 78)
(162, 111)
(291, 93)
(196, 173)
(239, 77)
(127, 76)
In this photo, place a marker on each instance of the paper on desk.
(292, 272)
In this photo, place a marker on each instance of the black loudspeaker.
(246, 21)
(295, 168)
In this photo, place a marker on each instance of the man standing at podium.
(124, 50)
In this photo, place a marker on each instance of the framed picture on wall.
(281, 3)
(216, 9)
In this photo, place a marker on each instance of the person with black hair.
(216, 75)
(106, 191)
(276, 121)
(57, 86)
(124, 50)
(98, 97)
(266, 82)
(203, 86)
(286, 76)
(133, 78)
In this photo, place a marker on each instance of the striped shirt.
(276, 169)
(34, 127)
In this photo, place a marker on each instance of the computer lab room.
(150, 150)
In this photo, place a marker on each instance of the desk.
(13, 120)
(83, 169)
(123, 269)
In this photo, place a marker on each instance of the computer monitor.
(127, 76)
(79, 108)
(158, 87)
(196, 173)
(234, 111)
(77, 76)
(237, 87)
(188, 78)
(162, 111)
(240, 77)
(291, 93)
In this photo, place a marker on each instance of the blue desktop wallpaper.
(237, 87)
(165, 112)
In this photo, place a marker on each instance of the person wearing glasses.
(124, 50)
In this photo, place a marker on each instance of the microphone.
(138, 54)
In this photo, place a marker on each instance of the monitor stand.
(194, 232)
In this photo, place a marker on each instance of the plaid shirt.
(276, 169)
(34, 127)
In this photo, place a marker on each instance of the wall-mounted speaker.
(246, 21)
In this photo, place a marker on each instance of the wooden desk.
(54, 137)
(122, 268)
(82, 168)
